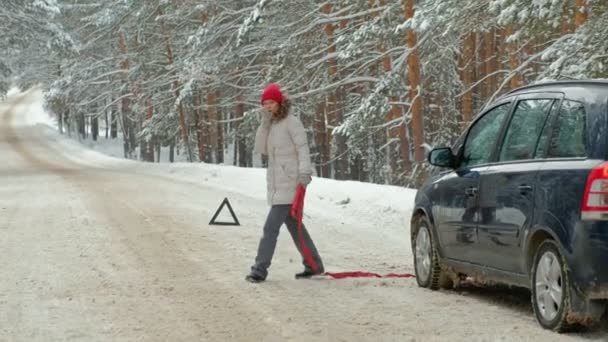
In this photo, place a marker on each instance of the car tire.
(549, 287)
(427, 264)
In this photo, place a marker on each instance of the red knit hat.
(273, 92)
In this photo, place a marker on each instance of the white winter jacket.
(286, 145)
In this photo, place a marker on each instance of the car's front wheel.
(429, 273)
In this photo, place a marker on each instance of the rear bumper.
(599, 292)
(588, 259)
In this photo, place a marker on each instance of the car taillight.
(595, 200)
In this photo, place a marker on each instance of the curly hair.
(284, 109)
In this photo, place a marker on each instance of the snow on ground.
(386, 208)
(100, 248)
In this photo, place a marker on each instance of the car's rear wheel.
(427, 265)
(553, 296)
(549, 288)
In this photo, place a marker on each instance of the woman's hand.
(304, 179)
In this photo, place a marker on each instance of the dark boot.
(254, 278)
(307, 274)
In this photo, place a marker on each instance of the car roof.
(550, 85)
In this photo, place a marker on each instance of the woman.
(281, 136)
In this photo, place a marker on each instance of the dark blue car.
(522, 199)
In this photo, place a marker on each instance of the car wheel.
(428, 268)
(551, 288)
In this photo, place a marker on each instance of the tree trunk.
(581, 13)
(172, 151)
(94, 127)
(529, 50)
(131, 134)
(158, 150)
(114, 124)
(413, 62)
(68, 117)
(176, 86)
(212, 126)
(60, 121)
(488, 56)
(566, 23)
(148, 146)
(516, 81)
(344, 166)
(240, 144)
(128, 135)
(220, 131)
(396, 112)
(200, 124)
(82, 126)
(106, 121)
(468, 72)
(501, 53)
(333, 108)
(321, 143)
(395, 132)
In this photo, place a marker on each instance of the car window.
(525, 129)
(568, 136)
(543, 143)
(483, 136)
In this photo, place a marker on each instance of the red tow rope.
(360, 274)
(297, 212)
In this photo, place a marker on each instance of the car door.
(507, 187)
(458, 189)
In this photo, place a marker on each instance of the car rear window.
(525, 129)
(566, 137)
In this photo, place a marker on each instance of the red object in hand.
(297, 206)
(297, 212)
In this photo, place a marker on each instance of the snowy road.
(98, 249)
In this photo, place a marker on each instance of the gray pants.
(278, 215)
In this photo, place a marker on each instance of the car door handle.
(472, 191)
(524, 189)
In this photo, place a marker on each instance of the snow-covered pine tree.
(376, 82)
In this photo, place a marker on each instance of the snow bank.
(34, 112)
(348, 201)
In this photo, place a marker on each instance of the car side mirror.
(442, 157)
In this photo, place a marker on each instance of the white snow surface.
(102, 248)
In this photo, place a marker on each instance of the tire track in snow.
(172, 248)
(164, 275)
